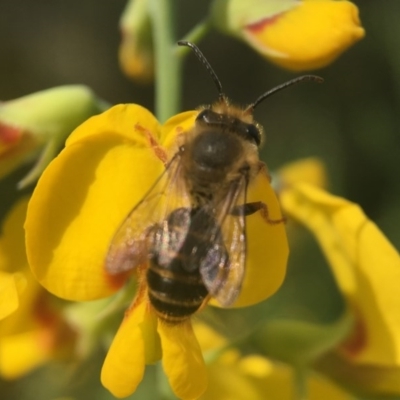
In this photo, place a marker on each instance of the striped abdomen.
(176, 289)
(175, 295)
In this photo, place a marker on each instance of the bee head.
(241, 124)
(228, 123)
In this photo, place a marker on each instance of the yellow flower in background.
(233, 376)
(36, 125)
(298, 35)
(136, 49)
(12, 286)
(367, 270)
(107, 166)
(310, 170)
(365, 380)
(35, 332)
(257, 378)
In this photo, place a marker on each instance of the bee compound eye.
(212, 118)
(204, 116)
(254, 134)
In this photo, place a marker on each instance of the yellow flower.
(298, 35)
(35, 126)
(254, 377)
(310, 170)
(35, 332)
(367, 270)
(11, 287)
(107, 166)
(136, 49)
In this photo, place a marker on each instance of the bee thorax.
(215, 149)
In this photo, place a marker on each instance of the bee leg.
(251, 208)
(158, 150)
(262, 167)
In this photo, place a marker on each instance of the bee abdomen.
(175, 296)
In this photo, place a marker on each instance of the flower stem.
(167, 65)
(300, 383)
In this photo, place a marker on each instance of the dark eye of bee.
(254, 133)
(247, 131)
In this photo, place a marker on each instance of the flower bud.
(297, 35)
(35, 126)
(136, 49)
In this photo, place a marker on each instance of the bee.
(189, 230)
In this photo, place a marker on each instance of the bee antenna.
(304, 78)
(204, 61)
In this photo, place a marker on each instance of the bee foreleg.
(251, 208)
(262, 168)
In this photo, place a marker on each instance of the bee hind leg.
(253, 207)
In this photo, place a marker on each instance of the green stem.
(168, 65)
(300, 383)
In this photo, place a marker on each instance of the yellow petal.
(207, 337)
(20, 353)
(11, 288)
(177, 125)
(267, 247)
(310, 170)
(182, 360)
(308, 36)
(367, 381)
(124, 366)
(123, 119)
(82, 198)
(13, 259)
(277, 380)
(227, 382)
(12, 240)
(366, 266)
(255, 377)
(25, 317)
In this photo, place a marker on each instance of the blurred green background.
(351, 122)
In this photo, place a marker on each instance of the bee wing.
(223, 266)
(146, 228)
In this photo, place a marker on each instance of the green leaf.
(300, 342)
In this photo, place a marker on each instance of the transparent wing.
(147, 227)
(223, 265)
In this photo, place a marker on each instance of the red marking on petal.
(9, 134)
(357, 340)
(263, 24)
(116, 281)
(141, 294)
(44, 314)
(56, 334)
(158, 150)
